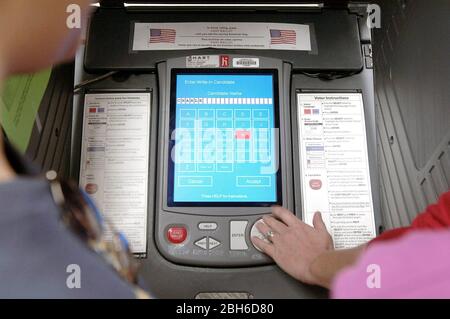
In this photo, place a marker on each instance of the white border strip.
(223, 5)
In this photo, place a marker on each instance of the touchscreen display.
(223, 140)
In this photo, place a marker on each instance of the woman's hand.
(294, 245)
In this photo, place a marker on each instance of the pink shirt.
(415, 266)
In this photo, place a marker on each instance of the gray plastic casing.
(189, 217)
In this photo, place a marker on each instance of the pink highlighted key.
(243, 135)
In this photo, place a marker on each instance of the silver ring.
(270, 234)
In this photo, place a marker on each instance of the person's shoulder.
(435, 216)
(41, 258)
(414, 266)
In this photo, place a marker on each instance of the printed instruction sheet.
(197, 35)
(114, 160)
(335, 166)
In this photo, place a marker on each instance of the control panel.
(224, 131)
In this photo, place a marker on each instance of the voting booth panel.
(202, 127)
(413, 107)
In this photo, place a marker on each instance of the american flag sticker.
(162, 35)
(283, 37)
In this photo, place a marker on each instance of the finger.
(318, 222)
(263, 228)
(266, 248)
(276, 225)
(284, 215)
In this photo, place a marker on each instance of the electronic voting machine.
(192, 120)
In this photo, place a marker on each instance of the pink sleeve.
(415, 266)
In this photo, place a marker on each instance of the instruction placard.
(335, 165)
(198, 35)
(114, 160)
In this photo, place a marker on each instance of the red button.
(315, 184)
(176, 235)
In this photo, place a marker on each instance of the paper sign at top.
(198, 35)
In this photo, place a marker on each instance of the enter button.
(237, 235)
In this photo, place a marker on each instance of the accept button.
(253, 181)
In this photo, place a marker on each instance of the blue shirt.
(36, 248)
